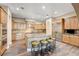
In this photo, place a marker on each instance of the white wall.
(49, 26)
(66, 15)
(9, 29)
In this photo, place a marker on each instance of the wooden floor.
(63, 49)
(19, 49)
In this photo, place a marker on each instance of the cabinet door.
(78, 23)
(66, 38)
(14, 36)
(67, 23)
(13, 27)
(3, 17)
(74, 40)
(74, 23)
(77, 41)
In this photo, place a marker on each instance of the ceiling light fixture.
(43, 7)
(17, 9)
(20, 8)
(55, 12)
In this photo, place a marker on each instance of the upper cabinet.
(3, 30)
(67, 24)
(3, 16)
(74, 23)
(18, 24)
(39, 26)
(71, 23)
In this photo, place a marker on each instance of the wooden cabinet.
(13, 36)
(67, 24)
(74, 23)
(39, 26)
(20, 35)
(71, 23)
(66, 38)
(71, 39)
(19, 26)
(75, 40)
(3, 16)
(3, 30)
(17, 35)
(18, 29)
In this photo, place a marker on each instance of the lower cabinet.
(71, 39)
(66, 38)
(18, 35)
(13, 36)
(75, 40)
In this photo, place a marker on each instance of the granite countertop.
(37, 37)
(71, 34)
(34, 35)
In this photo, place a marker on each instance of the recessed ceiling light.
(20, 8)
(17, 9)
(43, 7)
(55, 12)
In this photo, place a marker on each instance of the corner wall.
(49, 26)
(66, 15)
(9, 29)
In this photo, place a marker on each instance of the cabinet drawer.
(66, 39)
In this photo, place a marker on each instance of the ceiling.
(39, 11)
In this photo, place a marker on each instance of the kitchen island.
(35, 36)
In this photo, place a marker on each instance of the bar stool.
(51, 44)
(44, 50)
(35, 48)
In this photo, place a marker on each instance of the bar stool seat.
(35, 48)
(44, 47)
